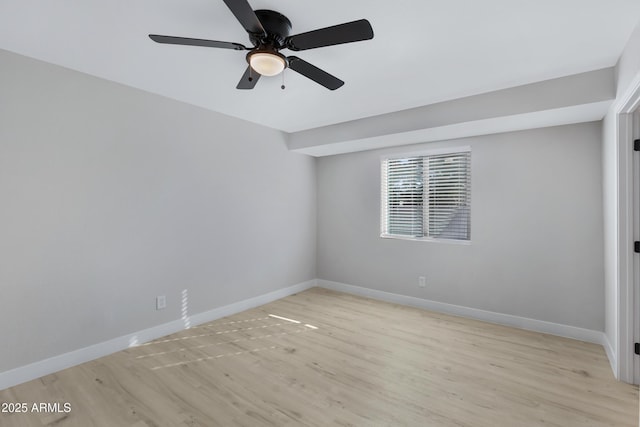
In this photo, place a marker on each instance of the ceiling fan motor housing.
(276, 25)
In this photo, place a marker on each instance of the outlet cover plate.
(161, 302)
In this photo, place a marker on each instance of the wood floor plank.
(322, 358)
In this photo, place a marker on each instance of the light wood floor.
(368, 363)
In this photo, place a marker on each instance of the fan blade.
(241, 9)
(314, 73)
(338, 34)
(195, 42)
(249, 79)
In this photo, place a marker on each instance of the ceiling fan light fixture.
(267, 63)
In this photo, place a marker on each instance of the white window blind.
(427, 196)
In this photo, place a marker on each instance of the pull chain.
(250, 71)
(282, 87)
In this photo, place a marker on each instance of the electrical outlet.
(422, 282)
(161, 302)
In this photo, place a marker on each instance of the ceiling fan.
(269, 33)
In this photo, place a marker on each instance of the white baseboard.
(63, 361)
(566, 331)
(611, 354)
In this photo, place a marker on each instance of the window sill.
(427, 239)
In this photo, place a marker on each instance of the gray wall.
(628, 65)
(536, 247)
(610, 229)
(111, 196)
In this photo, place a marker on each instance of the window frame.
(423, 153)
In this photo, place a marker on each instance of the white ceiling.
(424, 51)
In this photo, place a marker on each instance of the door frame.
(634, 118)
(628, 290)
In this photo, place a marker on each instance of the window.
(427, 197)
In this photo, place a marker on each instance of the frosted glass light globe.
(267, 64)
